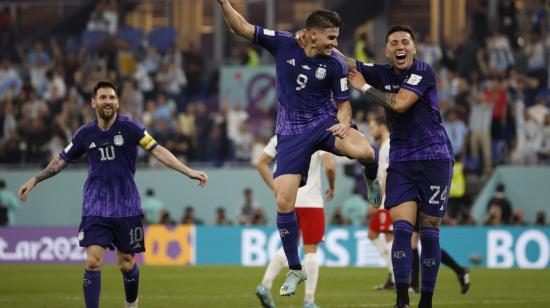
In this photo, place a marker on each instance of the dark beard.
(105, 117)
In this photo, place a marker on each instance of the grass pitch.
(229, 286)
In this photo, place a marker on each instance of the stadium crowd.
(493, 89)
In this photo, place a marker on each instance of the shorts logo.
(87, 282)
(118, 140)
(429, 262)
(283, 232)
(320, 73)
(399, 254)
(80, 235)
(269, 32)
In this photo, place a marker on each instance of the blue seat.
(162, 38)
(93, 38)
(131, 36)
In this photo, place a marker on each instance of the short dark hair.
(2, 183)
(400, 28)
(104, 84)
(150, 192)
(323, 19)
(500, 187)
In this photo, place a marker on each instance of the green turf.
(61, 286)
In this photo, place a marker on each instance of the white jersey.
(309, 195)
(383, 162)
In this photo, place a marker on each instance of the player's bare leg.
(130, 275)
(286, 189)
(404, 218)
(356, 146)
(92, 275)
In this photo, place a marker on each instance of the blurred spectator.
(8, 205)
(429, 51)
(363, 52)
(544, 152)
(166, 218)
(189, 217)
(152, 207)
(480, 131)
(10, 79)
(243, 143)
(248, 208)
(540, 219)
(539, 110)
(258, 218)
(457, 131)
(494, 215)
(499, 208)
(337, 218)
(221, 218)
(354, 208)
(236, 115)
(518, 216)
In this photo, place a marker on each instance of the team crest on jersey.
(118, 140)
(321, 73)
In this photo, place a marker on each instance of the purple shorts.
(124, 233)
(425, 181)
(294, 151)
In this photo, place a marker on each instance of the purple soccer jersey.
(418, 133)
(110, 190)
(306, 86)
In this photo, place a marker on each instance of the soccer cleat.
(310, 305)
(131, 305)
(388, 285)
(293, 278)
(464, 280)
(264, 295)
(401, 306)
(374, 194)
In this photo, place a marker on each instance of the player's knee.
(427, 221)
(366, 154)
(94, 263)
(125, 264)
(284, 203)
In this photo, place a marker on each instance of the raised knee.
(366, 154)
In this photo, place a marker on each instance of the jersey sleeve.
(340, 90)
(145, 141)
(370, 72)
(75, 149)
(272, 40)
(421, 79)
(269, 149)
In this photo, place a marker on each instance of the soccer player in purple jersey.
(314, 114)
(111, 213)
(421, 159)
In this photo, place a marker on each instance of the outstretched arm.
(399, 102)
(167, 158)
(54, 167)
(349, 61)
(236, 21)
(330, 172)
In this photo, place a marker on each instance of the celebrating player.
(421, 158)
(112, 211)
(311, 218)
(309, 79)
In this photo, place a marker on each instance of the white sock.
(380, 244)
(312, 271)
(273, 268)
(388, 259)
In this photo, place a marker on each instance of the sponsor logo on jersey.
(306, 67)
(92, 145)
(291, 62)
